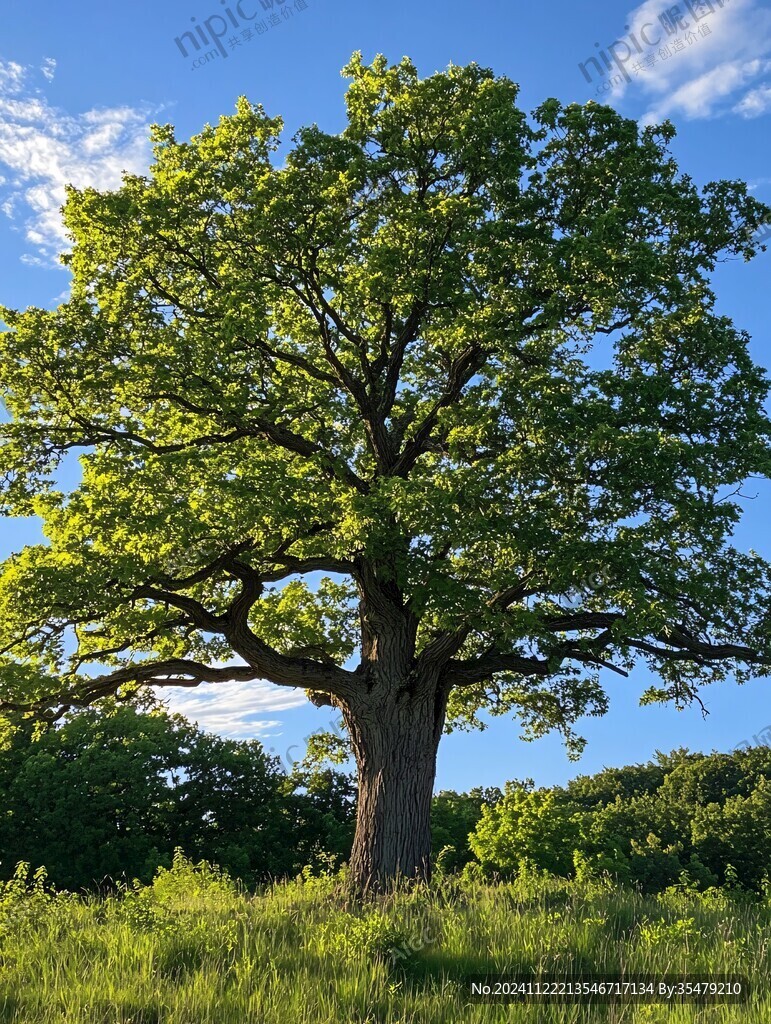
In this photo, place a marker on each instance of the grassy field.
(193, 949)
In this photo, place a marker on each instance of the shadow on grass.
(428, 969)
(99, 1012)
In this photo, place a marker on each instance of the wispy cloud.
(43, 148)
(755, 102)
(237, 710)
(695, 60)
(703, 96)
(11, 77)
(755, 183)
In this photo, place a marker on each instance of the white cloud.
(702, 95)
(43, 148)
(237, 710)
(755, 103)
(11, 77)
(703, 67)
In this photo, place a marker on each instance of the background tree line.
(684, 817)
(110, 794)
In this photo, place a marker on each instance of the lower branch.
(174, 672)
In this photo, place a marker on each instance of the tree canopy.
(436, 411)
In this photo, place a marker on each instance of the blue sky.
(78, 89)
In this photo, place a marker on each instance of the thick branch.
(303, 566)
(681, 647)
(197, 614)
(678, 647)
(173, 672)
(477, 670)
(445, 646)
(258, 427)
(461, 372)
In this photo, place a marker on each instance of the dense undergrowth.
(194, 948)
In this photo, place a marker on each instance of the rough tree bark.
(394, 739)
(394, 718)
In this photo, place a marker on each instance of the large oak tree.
(432, 416)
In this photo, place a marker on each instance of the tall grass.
(194, 949)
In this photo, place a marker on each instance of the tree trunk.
(394, 738)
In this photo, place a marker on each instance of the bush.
(693, 819)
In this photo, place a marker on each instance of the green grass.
(193, 949)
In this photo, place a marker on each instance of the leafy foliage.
(701, 820)
(446, 393)
(110, 794)
(453, 817)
